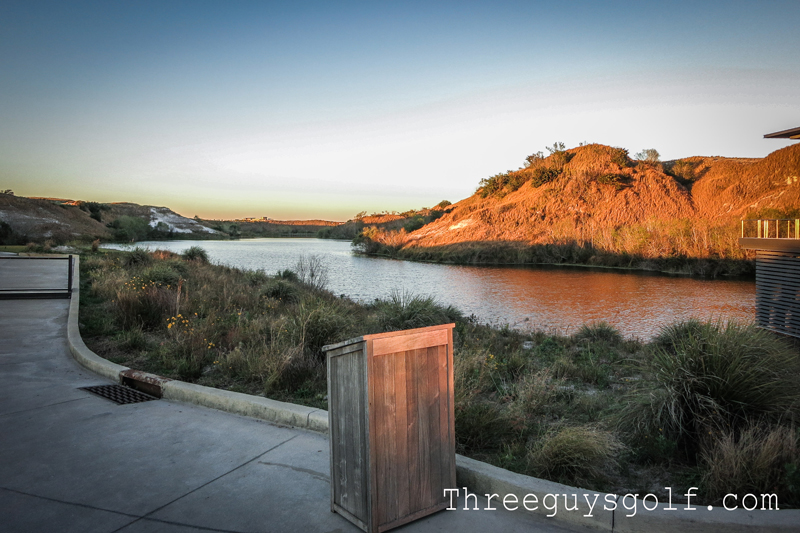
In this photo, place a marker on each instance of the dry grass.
(538, 404)
(752, 461)
(601, 208)
(712, 377)
(581, 454)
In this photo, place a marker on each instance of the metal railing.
(771, 228)
(17, 292)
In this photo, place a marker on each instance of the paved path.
(72, 461)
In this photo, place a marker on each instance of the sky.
(299, 110)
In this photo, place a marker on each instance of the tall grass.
(404, 310)
(710, 377)
(581, 454)
(754, 460)
(546, 405)
(195, 253)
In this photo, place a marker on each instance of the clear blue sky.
(324, 109)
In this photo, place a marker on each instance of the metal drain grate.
(119, 394)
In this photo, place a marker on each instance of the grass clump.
(164, 273)
(137, 256)
(580, 454)
(758, 459)
(282, 290)
(195, 253)
(599, 331)
(710, 377)
(403, 310)
(288, 275)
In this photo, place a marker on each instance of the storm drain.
(119, 394)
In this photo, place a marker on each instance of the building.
(777, 245)
(793, 133)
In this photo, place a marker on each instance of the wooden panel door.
(348, 434)
(412, 451)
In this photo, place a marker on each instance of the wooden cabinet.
(392, 429)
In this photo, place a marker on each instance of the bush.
(534, 159)
(195, 253)
(254, 278)
(8, 236)
(615, 180)
(494, 185)
(683, 171)
(574, 455)
(599, 331)
(542, 175)
(127, 228)
(482, 426)
(162, 274)
(407, 311)
(414, 223)
(311, 271)
(137, 257)
(620, 157)
(705, 377)
(754, 461)
(287, 275)
(282, 290)
(316, 323)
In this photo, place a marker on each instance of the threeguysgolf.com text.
(630, 504)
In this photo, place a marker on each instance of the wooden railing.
(771, 228)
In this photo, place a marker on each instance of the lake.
(554, 299)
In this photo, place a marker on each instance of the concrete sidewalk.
(72, 461)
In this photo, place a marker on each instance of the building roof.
(793, 133)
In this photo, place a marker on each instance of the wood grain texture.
(392, 427)
(399, 344)
(348, 435)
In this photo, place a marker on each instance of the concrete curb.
(283, 413)
(79, 351)
(286, 414)
(481, 478)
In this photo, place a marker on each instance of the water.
(555, 299)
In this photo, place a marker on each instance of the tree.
(649, 155)
(534, 158)
(127, 228)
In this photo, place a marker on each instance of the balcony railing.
(771, 228)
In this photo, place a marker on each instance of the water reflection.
(555, 299)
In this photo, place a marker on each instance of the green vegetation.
(538, 171)
(403, 223)
(682, 170)
(13, 248)
(713, 404)
(9, 237)
(127, 228)
(195, 253)
(655, 246)
(94, 209)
